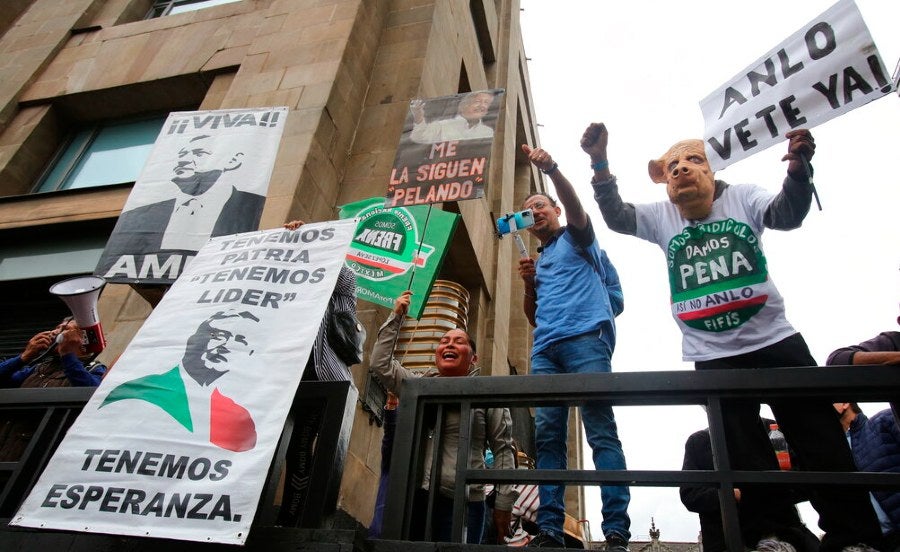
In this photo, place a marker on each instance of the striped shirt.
(326, 364)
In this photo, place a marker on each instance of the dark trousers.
(813, 431)
(442, 519)
(891, 542)
(387, 445)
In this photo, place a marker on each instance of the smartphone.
(514, 221)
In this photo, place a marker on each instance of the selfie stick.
(514, 230)
(520, 244)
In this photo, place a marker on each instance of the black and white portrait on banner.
(207, 176)
(177, 441)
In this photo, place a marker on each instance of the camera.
(514, 222)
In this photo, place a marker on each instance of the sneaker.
(773, 544)
(615, 543)
(545, 540)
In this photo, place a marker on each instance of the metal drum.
(447, 308)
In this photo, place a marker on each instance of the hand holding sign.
(401, 304)
(801, 148)
(825, 69)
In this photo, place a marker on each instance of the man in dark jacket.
(875, 443)
(884, 348)
(53, 358)
(756, 524)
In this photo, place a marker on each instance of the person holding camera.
(572, 296)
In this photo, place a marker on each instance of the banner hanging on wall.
(207, 175)
(177, 440)
(445, 149)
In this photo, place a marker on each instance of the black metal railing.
(424, 400)
(39, 419)
(32, 424)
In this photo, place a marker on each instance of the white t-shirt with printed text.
(722, 296)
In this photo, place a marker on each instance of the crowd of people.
(731, 316)
(709, 232)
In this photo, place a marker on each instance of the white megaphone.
(81, 294)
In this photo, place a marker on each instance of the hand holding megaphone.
(71, 340)
(81, 294)
(38, 345)
(43, 343)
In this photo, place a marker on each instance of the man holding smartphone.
(572, 296)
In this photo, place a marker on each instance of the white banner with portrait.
(177, 440)
(207, 176)
(824, 70)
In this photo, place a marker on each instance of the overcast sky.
(642, 68)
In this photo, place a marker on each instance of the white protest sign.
(177, 440)
(825, 69)
(207, 176)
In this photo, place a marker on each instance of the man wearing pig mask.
(732, 316)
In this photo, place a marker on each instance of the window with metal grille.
(29, 308)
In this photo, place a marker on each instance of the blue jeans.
(582, 354)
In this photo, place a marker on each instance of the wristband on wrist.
(552, 168)
(600, 165)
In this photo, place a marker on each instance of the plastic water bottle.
(780, 446)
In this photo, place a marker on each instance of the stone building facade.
(346, 69)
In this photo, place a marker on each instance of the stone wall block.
(302, 75)
(228, 57)
(301, 122)
(315, 95)
(271, 25)
(257, 83)
(291, 56)
(301, 20)
(359, 486)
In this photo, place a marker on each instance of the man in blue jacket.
(875, 443)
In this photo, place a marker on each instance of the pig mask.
(689, 179)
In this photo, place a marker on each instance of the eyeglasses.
(538, 205)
